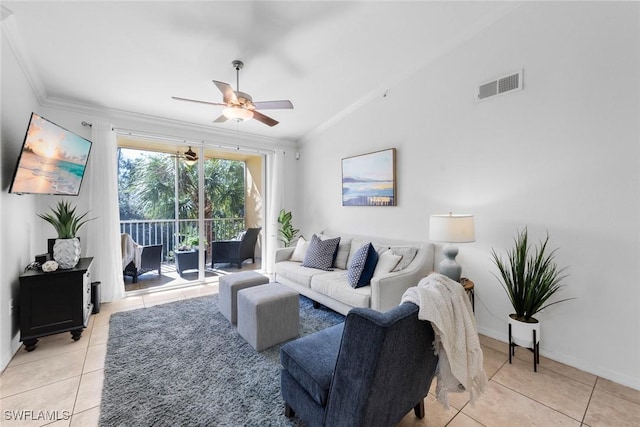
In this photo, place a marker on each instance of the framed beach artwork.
(370, 179)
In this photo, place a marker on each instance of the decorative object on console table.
(370, 179)
(529, 278)
(50, 303)
(450, 228)
(66, 250)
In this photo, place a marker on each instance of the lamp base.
(448, 266)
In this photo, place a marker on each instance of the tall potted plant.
(287, 232)
(66, 250)
(529, 277)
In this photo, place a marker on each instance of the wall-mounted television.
(52, 161)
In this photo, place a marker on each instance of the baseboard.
(581, 364)
(6, 358)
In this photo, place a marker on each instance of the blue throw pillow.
(362, 267)
(320, 253)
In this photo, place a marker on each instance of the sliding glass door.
(160, 194)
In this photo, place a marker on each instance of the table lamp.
(450, 228)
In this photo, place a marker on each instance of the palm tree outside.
(147, 192)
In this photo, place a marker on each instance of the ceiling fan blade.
(264, 119)
(220, 119)
(273, 105)
(195, 100)
(228, 95)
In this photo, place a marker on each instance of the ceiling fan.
(190, 157)
(239, 106)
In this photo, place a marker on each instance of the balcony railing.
(163, 231)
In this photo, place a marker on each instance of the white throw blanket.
(131, 251)
(445, 304)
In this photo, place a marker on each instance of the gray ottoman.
(268, 315)
(228, 291)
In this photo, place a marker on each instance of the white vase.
(66, 252)
(522, 332)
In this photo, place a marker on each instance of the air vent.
(509, 83)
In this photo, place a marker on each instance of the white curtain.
(103, 233)
(275, 193)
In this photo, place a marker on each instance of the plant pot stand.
(535, 350)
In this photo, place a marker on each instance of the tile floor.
(62, 380)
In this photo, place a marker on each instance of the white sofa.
(332, 289)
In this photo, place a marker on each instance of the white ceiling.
(326, 57)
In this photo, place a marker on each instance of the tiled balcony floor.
(171, 279)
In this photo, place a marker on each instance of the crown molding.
(4, 13)
(123, 117)
(14, 39)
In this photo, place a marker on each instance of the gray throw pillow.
(343, 251)
(408, 253)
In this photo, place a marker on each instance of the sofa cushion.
(321, 253)
(295, 272)
(311, 360)
(355, 245)
(408, 253)
(336, 285)
(363, 265)
(300, 251)
(342, 255)
(386, 263)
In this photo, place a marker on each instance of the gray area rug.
(182, 363)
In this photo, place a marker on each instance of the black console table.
(50, 303)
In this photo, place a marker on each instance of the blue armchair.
(369, 371)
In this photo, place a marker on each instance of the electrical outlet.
(11, 306)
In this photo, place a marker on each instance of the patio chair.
(150, 258)
(235, 251)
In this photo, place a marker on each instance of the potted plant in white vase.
(529, 277)
(66, 250)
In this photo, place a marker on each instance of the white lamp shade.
(452, 228)
(237, 113)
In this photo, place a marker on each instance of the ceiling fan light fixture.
(237, 113)
(190, 157)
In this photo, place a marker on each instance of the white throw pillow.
(300, 250)
(380, 248)
(386, 262)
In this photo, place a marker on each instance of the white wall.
(17, 213)
(560, 155)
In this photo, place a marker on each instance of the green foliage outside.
(147, 191)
